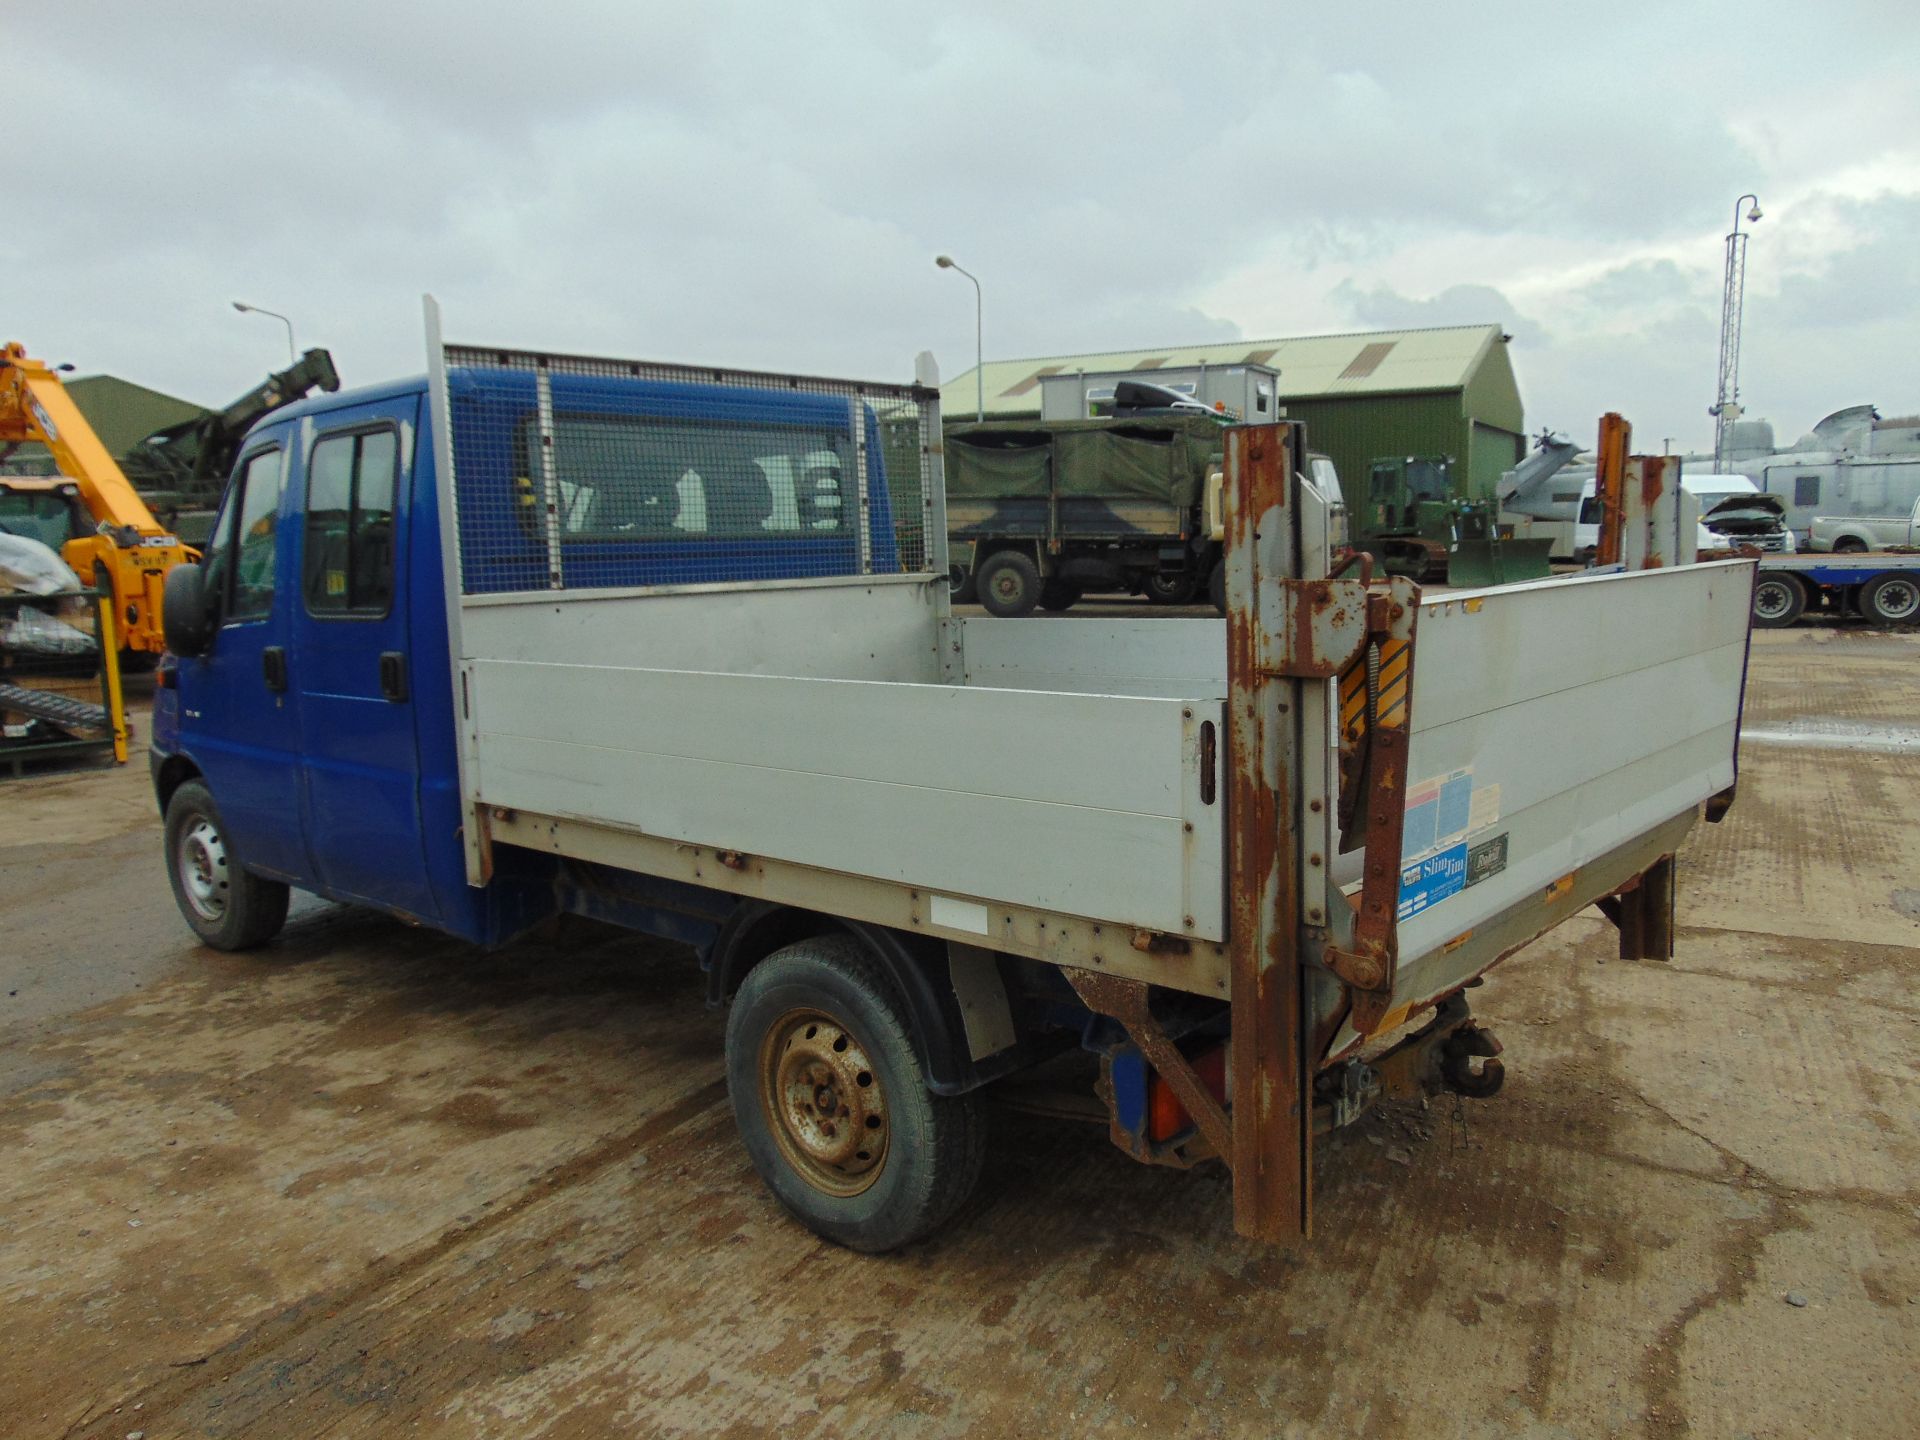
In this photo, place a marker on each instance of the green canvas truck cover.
(1159, 459)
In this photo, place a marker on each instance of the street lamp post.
(1733, 297)
(246, 309)
(945, 262)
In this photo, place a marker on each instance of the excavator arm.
(196, 456)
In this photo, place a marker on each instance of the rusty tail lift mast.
(1299, 636)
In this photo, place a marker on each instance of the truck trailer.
(541, 634)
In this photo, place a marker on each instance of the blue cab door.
(352, 674)
(244, 723)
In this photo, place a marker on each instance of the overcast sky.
(767, 185)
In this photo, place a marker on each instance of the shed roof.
(1374, 362)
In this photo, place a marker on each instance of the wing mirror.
(186, 611)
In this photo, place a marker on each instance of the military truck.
(1039, 512)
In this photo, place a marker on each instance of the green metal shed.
(1449, 390)
(121, 413)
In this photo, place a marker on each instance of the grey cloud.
(1380, 307)
(767, 185)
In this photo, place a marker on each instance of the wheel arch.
(916, 964)
(170, 774)
(1032, 547)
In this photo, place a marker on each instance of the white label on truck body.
(953, 914)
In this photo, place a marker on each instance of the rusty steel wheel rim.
(1006, 585)
(823, 1101)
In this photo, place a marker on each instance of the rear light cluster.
(1166, 1116)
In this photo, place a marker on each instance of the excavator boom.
(34, 405)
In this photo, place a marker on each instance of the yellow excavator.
(89, 512)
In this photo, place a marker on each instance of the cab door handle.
(273, 668)
(393, 675)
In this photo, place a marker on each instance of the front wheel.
(1009, 585)
(1892, 599)
(227, 907)
(833, 1106)
(1778, 601)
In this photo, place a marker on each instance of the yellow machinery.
(124, 551)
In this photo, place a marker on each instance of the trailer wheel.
(960, 581)
(1170, 589)
(1778, 601)
(1059, 595)
(832, 1103)
(1009, 584)
(227, 907)
(1892, 599)
(1217, 586)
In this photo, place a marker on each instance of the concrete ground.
(368, 1181)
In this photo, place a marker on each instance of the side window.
(254, 538)
(643, 479)
(348, 565)
(1806, 490)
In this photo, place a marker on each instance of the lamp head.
(1754, 213)
(242, 306)
(945, 262)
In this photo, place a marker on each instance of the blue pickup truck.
(674, 647)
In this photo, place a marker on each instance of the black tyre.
(227, 907)
(1891, 599)
(1059, 595)
(965, 592)
(1217, 586)
(832, 1104)
(1171, 589)
(1849, 545)
(1778, 601)
(1009, 584)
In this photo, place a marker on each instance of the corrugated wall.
(1355, 431)
(1479, 424)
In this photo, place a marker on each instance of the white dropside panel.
(1082, 805)
(1555, 722)
(864, 628)
(1174, 657)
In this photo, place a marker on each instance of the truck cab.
(44, 508)
(329, 758)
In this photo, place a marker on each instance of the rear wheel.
(833, 1106)
(1778, 601)
(227, 907)
(1165, 589)
(1892, 599)
(1009, 584)
(1059, 595)
(1850, 545)
(960, 580)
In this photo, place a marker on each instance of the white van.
(1712, 491)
